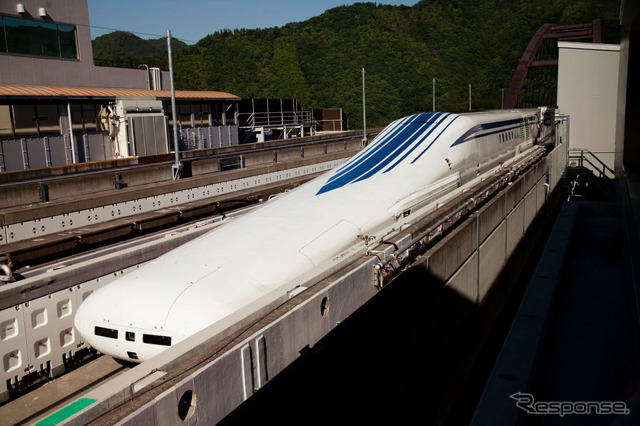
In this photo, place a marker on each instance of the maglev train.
(224, 276)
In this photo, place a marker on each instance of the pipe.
(74, 158)
(148, 79)
(176, 143)
(433, 91)
(8, 273)
(364, 114)
(464, 206)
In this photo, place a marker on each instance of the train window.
(130, 336)
(156, 340)
(106, 332)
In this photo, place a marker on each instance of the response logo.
(527, 402)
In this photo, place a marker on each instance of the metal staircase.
(588, 177)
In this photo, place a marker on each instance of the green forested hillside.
(122, 48)
(319, 61)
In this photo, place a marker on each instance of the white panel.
(49, 328)
(13, 345)
(337, 238)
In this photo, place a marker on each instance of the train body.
(239, 268)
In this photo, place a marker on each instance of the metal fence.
(192, 138)
(277, 118)
(51, 151)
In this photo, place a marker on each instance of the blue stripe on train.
(377, 142)
(398, 143)
(438, 120)
(435, 139)
(383, 152)
(471, 133)
(382, 145)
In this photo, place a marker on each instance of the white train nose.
(85, 322)
(103, 332)
(82, 320)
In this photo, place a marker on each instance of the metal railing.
(278, 118)
(581, 157)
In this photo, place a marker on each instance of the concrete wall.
(470, 274)
(513, 371)
(471, 257)
(588, 93)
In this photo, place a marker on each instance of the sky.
(192, 20)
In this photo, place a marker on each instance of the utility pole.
(433, 91)
(177, 167)
(503, 98)
(469, 96)
(364, 114)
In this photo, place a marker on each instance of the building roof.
(91, 92)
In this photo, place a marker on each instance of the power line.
(137, 33)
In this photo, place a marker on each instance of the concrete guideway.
(136, 218)
(22, 187)
(46, 400)
(88, 208)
